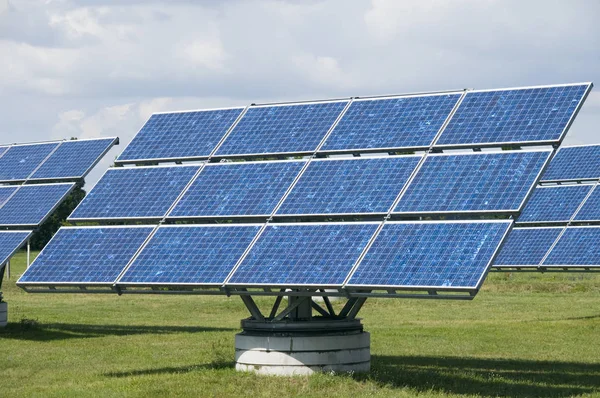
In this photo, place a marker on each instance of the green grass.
(524, 335)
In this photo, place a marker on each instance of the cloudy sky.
(92, 68)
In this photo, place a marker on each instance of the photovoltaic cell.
(281, 129)
(590, 211)
(574, 163)
(19, 161)
(513, 116)
(5, 193)
(10, 242)
(473, 182)
(368, 185)
(31, 204)
(140, 192)
(401, 122)
(430, 254)
(236, 189)
(180, 135)
(3, 149)
(85, 255)
(527, 246)
(73, 159)
(554, 203)
(578, 246)
(190, 255)
(304, 254)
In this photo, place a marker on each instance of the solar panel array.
(337, 222)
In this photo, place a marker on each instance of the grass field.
(524, 335)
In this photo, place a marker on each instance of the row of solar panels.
(442, 183)
(63, 160)
(30, 205)
(522, 116)
(445, 256)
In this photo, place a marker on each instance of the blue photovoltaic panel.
(401, 122)
(574, 163)
(86, 255)
(190, 255)
(281, 128)
(553, 204)
(473, 182)
(236, 189)
(180, 135)
(527, 246)
(73, 159)
(135, 192)
(3, 149)
(31, 204)
(21, 160)
(10, 242)
(5, 193)
(430, 254)
(304, 254)
(590, 211)
(349, 186)
(513, 116)
(578, 246)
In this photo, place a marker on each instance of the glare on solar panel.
(19, 161)
(576, 163)
(88, 255)
(473, 182)
(32, 204)
(73, 159)
(590, 211)
(190, 255)
(180, 135)
(303, 254)
(274, 129)
(237, 189)
(520, 115)
(527, 246)
(135, 192)
(10, 242)
(391, 122)
(441, 255)
(553, 203)
(345, 186)
(578, 246)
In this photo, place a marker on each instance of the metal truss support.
(352, 307)
(253, 308)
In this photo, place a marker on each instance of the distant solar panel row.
(490, 117)
(307, 254)
(30, 205)
(554, 203)
(10, 242)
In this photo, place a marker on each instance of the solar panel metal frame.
(184, 158)
(4, 260)
(460, 93)
(545, 266)
(590, 85)
(215, 155)
(532, 267)
(405, 186)
(148, 219)
(49, 213)
(474, 212)
(587, 179)
(228, 284)
(353, 289)
(96, 161)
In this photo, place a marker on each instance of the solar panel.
(578, 246)
(90, 255)
(190, 255)
(73, 159)
(430, 254)
(527, 246)
(522, 115)
(10, 242)
(32, 204)
(303, 254)
(387, 123)
(180, 135)
(574, 163)
(484, 182)
(553, 203)
(130, 193)
(19, 161)
(236, 189)
(5, 193)
(294, 128)
(590, 211)
(3, 149)
(368, 185)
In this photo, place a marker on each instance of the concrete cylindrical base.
(300, 353)
(3, 314)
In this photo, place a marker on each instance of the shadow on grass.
(173, 369)
(31, 330)
(486, 377)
